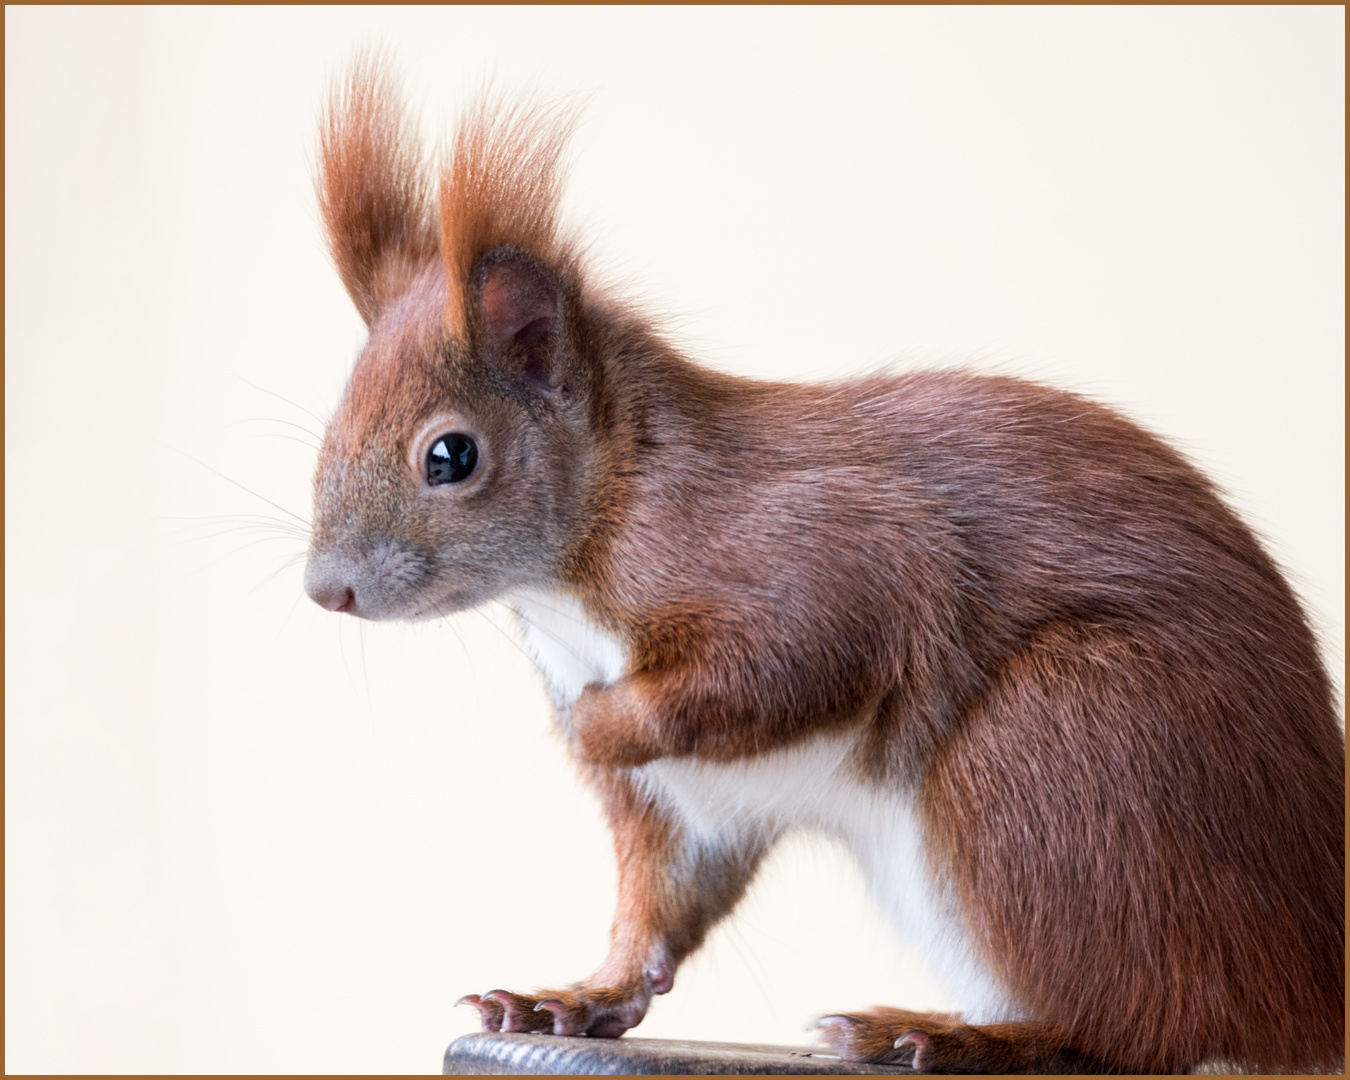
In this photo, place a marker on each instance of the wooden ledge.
(511, 1053)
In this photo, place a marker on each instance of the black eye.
(451, 459)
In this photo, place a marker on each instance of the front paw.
(610, 727)
(602, 1011)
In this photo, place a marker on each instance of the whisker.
(318, 439)
(292, 561)
(346, 663)
(365, 672)
(234, 553)
(256, 520)
(199, 533)
(289, 438)
(552, 637)
(450, 623)
(236, 483)
(514, 643)
(289, 612)
(273, 393)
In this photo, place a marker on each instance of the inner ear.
(522, 308)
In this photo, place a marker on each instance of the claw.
(826, 1028)
(832, 1020)
(603, 1012)
(518, 1014)
(918, 1040)
(510, 1009)
(566, 1020)
(489, 1012)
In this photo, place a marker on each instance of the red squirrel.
(1012, 650)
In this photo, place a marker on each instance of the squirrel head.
(461, 457)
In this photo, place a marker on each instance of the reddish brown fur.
(500, 187)
(1130, 763)
(374, 193)
(940, 1042)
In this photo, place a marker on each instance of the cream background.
(246, 835)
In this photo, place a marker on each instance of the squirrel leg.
(942, 1043)
(671, 893)
(684, 710)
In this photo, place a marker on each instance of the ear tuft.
(501, 182)
(522, 309)
(374, 190)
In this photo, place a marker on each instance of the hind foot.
(942, 1043)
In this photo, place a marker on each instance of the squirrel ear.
(522, 309)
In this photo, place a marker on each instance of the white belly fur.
(812, 785)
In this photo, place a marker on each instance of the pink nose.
(333, 597)
(330, 580)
